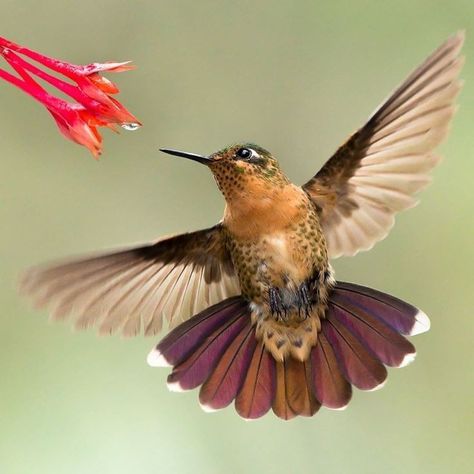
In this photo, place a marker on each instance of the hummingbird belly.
(285, 274)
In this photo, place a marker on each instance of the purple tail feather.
(361, 333)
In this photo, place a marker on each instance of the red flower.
(93, 106)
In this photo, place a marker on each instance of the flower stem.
(69, 70)
(20, 65)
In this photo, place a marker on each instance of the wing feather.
(379, 170)
(133, 290)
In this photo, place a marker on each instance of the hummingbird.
(254, 311)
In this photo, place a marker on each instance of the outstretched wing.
(379, 169)
(134, 290)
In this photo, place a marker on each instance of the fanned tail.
(362, 332)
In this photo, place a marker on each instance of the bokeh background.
(297, 78)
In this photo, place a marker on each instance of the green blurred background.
(297, 78)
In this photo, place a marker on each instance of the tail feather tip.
(207, 408)
(175, 386)
(342, 408)
(156, 359)
(422, 324)
(408, 359)
(377, 387)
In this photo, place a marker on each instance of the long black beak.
(191, 156)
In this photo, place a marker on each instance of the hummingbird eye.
(244, 153)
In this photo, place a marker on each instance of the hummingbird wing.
(135, 289)
(379, 169)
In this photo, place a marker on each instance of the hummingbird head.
(243, 171)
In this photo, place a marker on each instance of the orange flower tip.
(102, 83)
(120, 67)
(113, 127)
(109, 67)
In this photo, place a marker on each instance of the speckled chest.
(282, 256)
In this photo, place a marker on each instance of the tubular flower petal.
(93, 105)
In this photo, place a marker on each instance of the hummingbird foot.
(283, 301)
(304, 300)
(277, 306)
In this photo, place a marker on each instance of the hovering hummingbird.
(258, 316)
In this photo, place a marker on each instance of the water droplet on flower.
(131, 126)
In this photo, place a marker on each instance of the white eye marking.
(247, 154)
(256, 155)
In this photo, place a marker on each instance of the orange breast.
(275, 238)
(262, 209)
